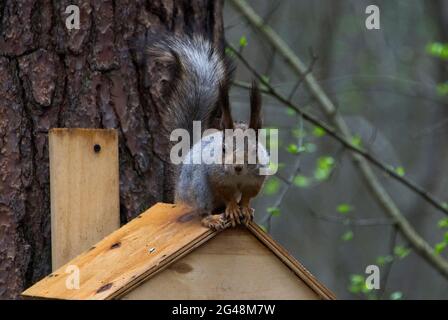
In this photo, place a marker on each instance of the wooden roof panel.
(139, 248)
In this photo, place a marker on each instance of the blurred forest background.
(389, 86)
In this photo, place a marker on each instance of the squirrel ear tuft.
(226, 117)
(255, 107)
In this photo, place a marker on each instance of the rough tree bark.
(54, 77)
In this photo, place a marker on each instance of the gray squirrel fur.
(199, 92)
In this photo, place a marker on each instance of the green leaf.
(442, 89)
(243, 41)
(445, 237)
(344, 208)
(401, 251)
(272, 186)
(301, 181)
(228, 51)
(357, 279)
(273, 211)
(397, 295)
(443, 223)
(319, 131)
(438, 49)
(354, 289)
(293, 148)
(347, 236)
(400, 171)
(325, 162)
(383, 260)
(356, 141)
(439, 247)
(290, 111)
(358, 284)
(324, 167)
(265, 79)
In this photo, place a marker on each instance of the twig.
(388, 268)
(302, 77)
(295, 169)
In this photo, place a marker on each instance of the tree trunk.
(54, 77)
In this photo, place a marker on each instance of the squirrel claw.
(214, 222)
(233, 214)
(247, 214)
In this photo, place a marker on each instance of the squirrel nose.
(238, 169)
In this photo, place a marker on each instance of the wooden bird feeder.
(165, 253)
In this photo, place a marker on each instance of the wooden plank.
(291, 262)
(84, 183)
(233, 265)
(128, 256)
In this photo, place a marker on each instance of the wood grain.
(128, 256)
(84, 184)
(166, 243)
(232, 265)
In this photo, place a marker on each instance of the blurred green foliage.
(383, 260)
(301, 181)
(437, 49)
(397, 295)
(324, 167)
(319, 131)
(401, 251)
(344, 208)
(400, 171)
(347, 236)
(273, 211)
(243, 42)
(271, 186)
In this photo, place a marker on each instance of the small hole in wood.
(97, 148)
(104, 288)
(115, 245)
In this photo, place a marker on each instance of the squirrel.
(199, 92)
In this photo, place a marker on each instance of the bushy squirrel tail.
(201, 76)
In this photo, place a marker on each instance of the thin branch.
(288, 182)
(359, 156)
(302, 77)
(388, 267)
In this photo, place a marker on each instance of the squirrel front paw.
(233, 214)
(215, 222)
(247, 214)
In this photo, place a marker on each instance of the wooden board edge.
(291, 262)
(108, 130)
(203, 238)
(81, 255)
